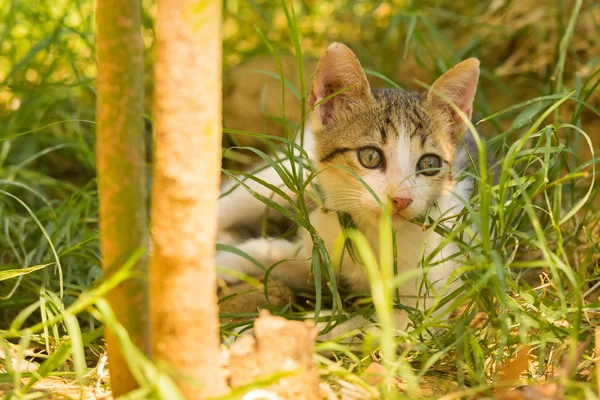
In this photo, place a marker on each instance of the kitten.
(409, 148)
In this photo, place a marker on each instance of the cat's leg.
(400, 321)
(237, 207)
(291, 261)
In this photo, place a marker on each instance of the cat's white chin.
(373, 217)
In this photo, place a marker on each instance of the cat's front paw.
(255, 257)
(232, 268)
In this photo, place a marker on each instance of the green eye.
(429, 165)
(370, 157)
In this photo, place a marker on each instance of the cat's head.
(403, 145)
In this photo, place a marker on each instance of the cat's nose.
(401, 203)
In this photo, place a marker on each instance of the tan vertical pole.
(121, 163)
(187, 157)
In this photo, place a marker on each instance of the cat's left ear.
(458, 86)
(338, 71)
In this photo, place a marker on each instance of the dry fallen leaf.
(509, 376)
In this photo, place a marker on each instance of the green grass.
(530, 277)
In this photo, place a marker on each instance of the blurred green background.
(47, 60)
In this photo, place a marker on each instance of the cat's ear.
(458, 86)
(338, 70)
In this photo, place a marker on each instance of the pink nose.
(401, 203)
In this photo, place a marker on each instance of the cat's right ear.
(458, 85)
(339, 70)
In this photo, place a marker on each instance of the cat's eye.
(370, 157)
(429, 165)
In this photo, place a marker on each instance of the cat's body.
(406, 147)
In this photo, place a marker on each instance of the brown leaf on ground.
(246, 298)
(428, 385)
(510, 374)
(375, 374)
(513, 368)
(478, 320)
(547, 391)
